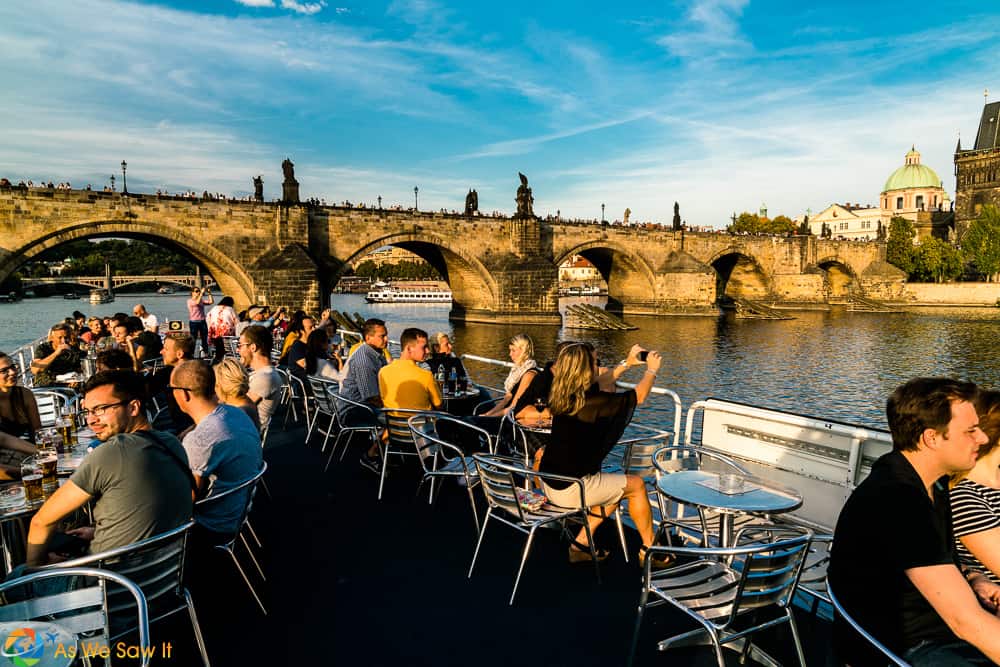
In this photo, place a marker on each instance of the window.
(866, 224)
(920, 202)
(899, 202)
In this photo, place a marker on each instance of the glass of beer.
(48, 460)
(65, 427)
(31, 477)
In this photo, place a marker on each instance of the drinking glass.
(730, 483)
(48, 460)
(31, 477)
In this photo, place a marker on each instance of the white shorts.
(600, 489)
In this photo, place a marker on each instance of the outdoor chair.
(292, 390)
(720, 585)
(324, 408)
(232, 346)
(50, 404)
(501, 479)
(81, 611)
(441, 458)
(691, 523)
(372, 428)
(248, 488)
(812, 581)
(156, 565)
(839, 610)
(399, 441)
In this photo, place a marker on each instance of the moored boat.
(101, 296)
(411, 293)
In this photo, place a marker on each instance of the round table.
(460, 403)
(693, 487)
(37, 643)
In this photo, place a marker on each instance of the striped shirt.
(974, 509)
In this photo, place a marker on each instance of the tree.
(781, 224)
(899, 248)
(981, 243)
(936, 261)
(747, 222)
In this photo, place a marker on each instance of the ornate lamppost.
(415, 191)
(124, 182)
(380, 202)
(112, 182)
(602, 213)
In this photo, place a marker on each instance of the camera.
(642, 355)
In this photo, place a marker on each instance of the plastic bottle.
(439, 376)
(452, 381)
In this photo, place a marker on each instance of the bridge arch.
(629, 277)
(739, 275)
(232, 278)
(840, 279)
(472, 286)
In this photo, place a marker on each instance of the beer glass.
(67, 429)
(48, 460)
(31, 477)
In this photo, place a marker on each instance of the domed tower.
(914, 187)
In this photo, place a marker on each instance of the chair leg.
(197, 628)
(638, 625)
(479, 542)
(621, 532)
(326, 435)
(720, 658)
(381, 481)
(593, 549)
(253, 533)
(247, 581)
(524, 559)
(252, 557)
(336, 443)
(472, 501)
(795, 637)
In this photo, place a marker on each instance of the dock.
(586, 316)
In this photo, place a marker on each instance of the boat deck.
(355, 581)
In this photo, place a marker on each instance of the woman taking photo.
(586, 424)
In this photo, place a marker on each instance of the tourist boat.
(101, 296)
(165, 289)
(416, 293)
(70, 296)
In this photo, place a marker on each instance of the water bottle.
(452, 381)
(439, 377)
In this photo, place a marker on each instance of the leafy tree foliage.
(405, 270)
(781, 224)
(126, 257)
(981, 243)
(936, 261)
(899, 247)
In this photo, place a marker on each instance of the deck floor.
(356, 581)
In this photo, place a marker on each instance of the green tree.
(747, 222)
(981, 243)
(366, 269)
(780, 224)
(899, 247)
(804, 228)
(936, 261)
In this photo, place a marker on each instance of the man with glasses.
(138, 479)
(265, 382)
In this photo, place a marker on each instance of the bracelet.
(653, 373)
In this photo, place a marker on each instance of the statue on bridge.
(472, 203)
(258, 188)
(524, 199)
(290, 187)
(626, 215)
(677, 216)
(880, 234)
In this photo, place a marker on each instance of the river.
(834, 364)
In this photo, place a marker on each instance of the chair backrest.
(398, 426)
(499, 479)
(429, 445)
(638, 445)
(232, 346)
(345, 404)
(323, 391)
(49, 405)
(672, 459)
(769, 571)
(247, 488)
(80, 611)
(876, 644)
(461, 432)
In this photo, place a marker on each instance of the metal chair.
(399, 441)
(722, 585)
(249, 487)
(50, 404)
(232, 346)
(372, 428)
(500, 479)
(156, 565)
(839, 610)
(81, 611)
(441, 459)
(323, 406)
(691, 522)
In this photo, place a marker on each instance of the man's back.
(361, 382)
(141, 487)
(266, 383)
(403, 384)
(225, 448)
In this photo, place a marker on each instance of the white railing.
(23, 357)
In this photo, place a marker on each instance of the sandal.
(580, 553)
(659, 561)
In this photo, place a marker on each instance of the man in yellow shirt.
(402, 383)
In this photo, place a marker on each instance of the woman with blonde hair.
(975, 497)
(586, 424)
(522, 353)
(232, 385)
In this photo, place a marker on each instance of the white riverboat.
(101, 296)
(412, 293)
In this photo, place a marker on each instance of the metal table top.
(759, 495)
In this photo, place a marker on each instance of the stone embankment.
(951, 294)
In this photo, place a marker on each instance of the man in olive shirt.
(138, 479)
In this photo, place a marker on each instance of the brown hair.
(572, 375)
(923, 403)
(988, 407)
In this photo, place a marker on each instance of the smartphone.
(642, 355)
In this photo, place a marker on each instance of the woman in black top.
(586, 424)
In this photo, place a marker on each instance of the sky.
(720, 105)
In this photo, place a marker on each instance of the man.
(258, 317)
(177, 348)
(55, 357)
(138, 480)
(894, 564)
(223, 449)
(144, 345)
(444, 354)
(403, 384)
(200, 297)
(265, 382)
(120, 333)
(361, 384)
(149, 321)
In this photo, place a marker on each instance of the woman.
(232, 385)
(221, 320)
(522, 353)
(318, 361)
(975, 497)
(298, 329)
(19, 420)
(586, 424)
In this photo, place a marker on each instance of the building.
(388, 255)
(977, 170)
(913, 191)
(578, 269)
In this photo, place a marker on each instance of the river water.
(836, 364)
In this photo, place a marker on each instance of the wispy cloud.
(303, 7)
(255, 3)
(710, 31)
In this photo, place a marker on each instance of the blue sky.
(718, 104)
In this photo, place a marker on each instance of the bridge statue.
(626, 215)
(472, 203)
(524, 199)
(258, 188)
(677, 216)
(290, 187)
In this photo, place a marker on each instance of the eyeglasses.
(99, 410)
(10, 369)
(240, 344)
(184, 389)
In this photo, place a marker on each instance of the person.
(200, 297)
(55, 357)
(258, 316)
(138, 481)
(361, 383)
(894, 563)
(18, 409)
(142, 344)
(295, 350)
(404, 384)
(100, 338)
(298, 329)
(223, 449)
(318, 360)
(443, 353)
(114, 360)
(586, 424)
(265, 382)
(221, 321)
(149, 321)
(522, 353)
(177, 348)
(232, 385)
(975, 497)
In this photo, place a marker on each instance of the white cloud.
(710, 30)
(303, 7)
(256, 3)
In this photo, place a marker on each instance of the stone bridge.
(499, 269)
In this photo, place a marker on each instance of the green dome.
(912, 175)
